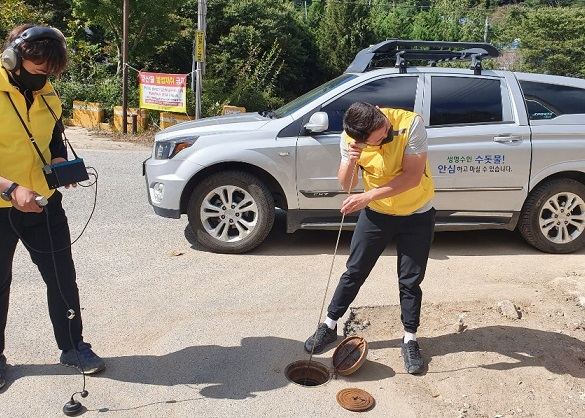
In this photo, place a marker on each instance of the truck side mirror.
(318, 122)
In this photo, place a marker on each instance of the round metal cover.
(354, 399)
(350, 355)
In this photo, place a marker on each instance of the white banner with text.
(165, 92)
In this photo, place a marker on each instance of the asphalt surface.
(186, 333)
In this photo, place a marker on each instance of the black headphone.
(11, 59)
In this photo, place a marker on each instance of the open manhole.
(307, 373)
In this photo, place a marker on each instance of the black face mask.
(30, 81)
(388, 138)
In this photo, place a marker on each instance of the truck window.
(557, 99)
(396, 92)
(301, 101)
(465, 100)
(538, 111)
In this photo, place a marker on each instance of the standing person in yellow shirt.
(390, 146)
(30, 112)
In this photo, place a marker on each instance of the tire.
(553, 217)
(231, 212)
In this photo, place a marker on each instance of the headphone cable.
(95, 175)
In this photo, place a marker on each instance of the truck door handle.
(507, 138)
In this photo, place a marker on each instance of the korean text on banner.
(165, 92)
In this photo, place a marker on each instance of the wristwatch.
(7, 194)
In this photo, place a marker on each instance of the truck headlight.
(168, 148)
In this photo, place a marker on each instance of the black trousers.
(57, 269)
(373, 232)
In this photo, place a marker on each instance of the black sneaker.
(323, 336)
(413, 362)
(83, 358)
(2, 370)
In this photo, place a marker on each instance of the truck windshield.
(299, 102)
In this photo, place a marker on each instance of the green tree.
(16, 12)
(238, 28)
(450, 20)
(314, 15)
(552, 40)
(150, 24)
(55, 12)
(392, 21)
(343, 31)
(254, 86)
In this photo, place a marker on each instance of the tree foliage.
(392, 21)
(263, 52)
(254, 86)
(150, 24)
(237, 29)
(552, 40)
(16, 12)
(450, 20)
(343, 30)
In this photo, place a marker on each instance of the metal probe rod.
(331, 269)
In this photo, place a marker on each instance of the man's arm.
(4, 183)
(23, 198)
(57, 146)
(413, 163)
(413, 166)
(347, 173)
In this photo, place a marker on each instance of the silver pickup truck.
(506, 150)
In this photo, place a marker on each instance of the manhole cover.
(354, 399)
(350, 355)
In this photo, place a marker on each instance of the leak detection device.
(65, 173)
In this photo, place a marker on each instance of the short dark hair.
(47, 50)
(361, 119)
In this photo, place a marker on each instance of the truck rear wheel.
(553, 217)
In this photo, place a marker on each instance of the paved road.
(187, 333)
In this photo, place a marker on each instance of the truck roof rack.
(433, 51)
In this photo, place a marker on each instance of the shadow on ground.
(558, 353)
(257, 365)
(445, 244)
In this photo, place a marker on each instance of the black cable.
(95, 175)
(70, 311)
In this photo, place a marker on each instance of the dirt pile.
(484, 361)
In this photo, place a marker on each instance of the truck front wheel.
(231, 212)
(553, 217)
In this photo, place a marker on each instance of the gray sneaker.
(413, 361)
(323, 336)
(83, 358)
(2, 370)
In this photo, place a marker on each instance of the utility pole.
(125, 12)
(200, 54)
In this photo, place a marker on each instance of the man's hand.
(354, 202)
(23, 199)
(62, 160)
(354, 151)
(347, 169)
